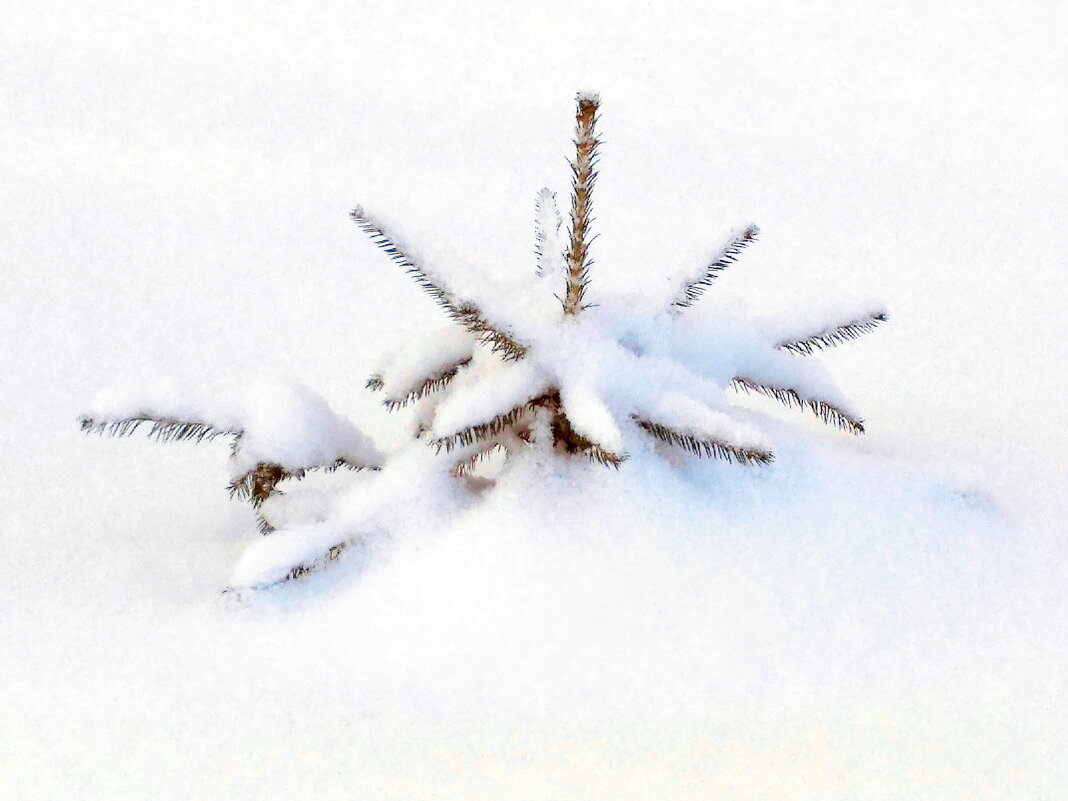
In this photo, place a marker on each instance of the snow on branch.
(289, 556)
(259, 483)
(583, 177)
(790, 397)
(423, 366)
(589, 417)
(482, 453)
(463, 312)
(493, 427)
(486, 392)
(427, 386)
(595, 426)
(833, 335)
(705, 445)
(692, 291)
(280, 431)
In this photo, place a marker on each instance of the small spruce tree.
(566, 377)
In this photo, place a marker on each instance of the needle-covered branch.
(828, 412)
(494, 427)
(727, 256)
(705, 446)
(833, 334)
(426, 386)
(463, 312)
(162, 429)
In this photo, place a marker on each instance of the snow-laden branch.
(705, 445)
(683, 421)
(826, 411)
(422, 366)
(280, 431)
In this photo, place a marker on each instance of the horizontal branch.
(163, 429)
(297, 572)
(491, 428)
(788, 396)
(705, 446)
(470, 463)
(833, 335)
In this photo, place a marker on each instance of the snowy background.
(873, 618)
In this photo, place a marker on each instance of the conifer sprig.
(790, 397)
(493, 427)
(297, 572)
(426, 386)
(583, 177)
(254, 486)
(834, 334)
(692, 291)
(705, 446)
(163, 429)
(463, 312)
(603, 456)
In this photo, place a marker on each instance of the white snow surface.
(882, 617)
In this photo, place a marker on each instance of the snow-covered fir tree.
(557, 373)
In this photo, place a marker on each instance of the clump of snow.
(590, 417)
(503, 386)
(273, 558)
(403, 371)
